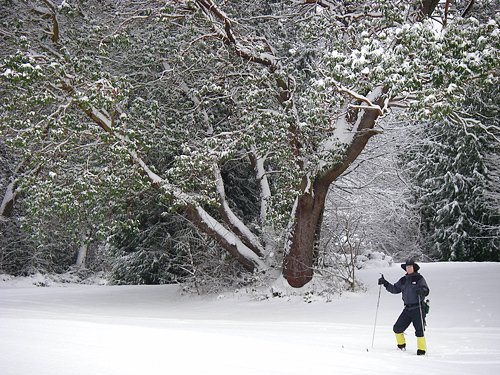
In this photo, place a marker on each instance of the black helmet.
(416, 267)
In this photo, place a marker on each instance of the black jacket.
(407, 285)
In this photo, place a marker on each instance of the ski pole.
(376, 313)
(422, 321)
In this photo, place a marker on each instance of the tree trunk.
(427, 7)
(82, 251)
(299, 252)
(7, 201)
(298, 261)
(10, 195)
(299, 257)
(82, 255)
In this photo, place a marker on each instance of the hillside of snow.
(94, 330)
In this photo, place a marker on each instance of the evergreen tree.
(451, 182)
(453, 165)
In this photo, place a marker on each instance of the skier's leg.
(420, 345)
(418, 322)
(419, 325)
(400, 339)
(400, 326)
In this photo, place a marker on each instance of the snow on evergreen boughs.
(160, 96)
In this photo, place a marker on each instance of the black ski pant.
(408, 316)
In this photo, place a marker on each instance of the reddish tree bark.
(299, 259)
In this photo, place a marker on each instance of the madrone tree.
(175, 89)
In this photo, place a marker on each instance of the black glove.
(382, 281)
(420, 292)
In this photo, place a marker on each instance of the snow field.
(81, 329)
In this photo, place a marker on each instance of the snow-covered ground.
(93, 330)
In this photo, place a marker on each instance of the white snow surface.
(92, 330)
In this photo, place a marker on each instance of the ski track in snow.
(93, 330)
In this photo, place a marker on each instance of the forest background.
(221, 144)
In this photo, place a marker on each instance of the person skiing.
(413, 288)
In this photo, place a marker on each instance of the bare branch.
(467, 10)
(55, 27)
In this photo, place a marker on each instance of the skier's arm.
(422, 288)
(392, 288)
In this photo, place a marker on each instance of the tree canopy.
(103, 101)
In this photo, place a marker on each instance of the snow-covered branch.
(233, 221)
(221, 23)
(467, 122)
(134, 18)
(227, 239)
(262, 181)
(362, 98)
(239, 229)
(51, 12)
(322, 3)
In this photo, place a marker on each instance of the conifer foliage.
(451, 183)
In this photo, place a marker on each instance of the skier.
(413, 288)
